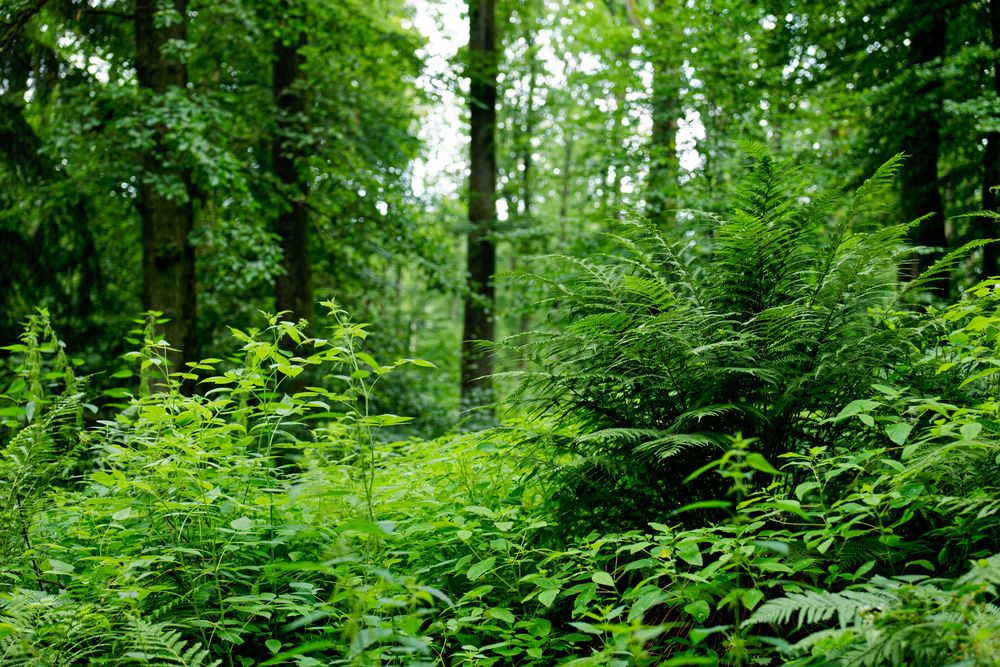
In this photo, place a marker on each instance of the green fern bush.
(662, 348)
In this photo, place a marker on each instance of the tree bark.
(293, 287)
(663, 163)
(920, 192)
(480, 300)
(991, 159)
(168, 276)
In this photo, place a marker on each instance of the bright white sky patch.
(441, 168)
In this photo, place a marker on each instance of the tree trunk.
(168, 277)
(564, 189)
(480, 299)
(920, 191)
(663, 163)
(293, 288)
(991, 159)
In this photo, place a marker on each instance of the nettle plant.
(210, 529)
(653, 359)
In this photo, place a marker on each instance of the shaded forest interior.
(486, 332)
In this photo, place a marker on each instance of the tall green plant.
(655, 358)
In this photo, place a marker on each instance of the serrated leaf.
(699, 610)
(603, 578)
(751, 598)
(479, 569)
(898, 432)
(689, 552)
(585, 627)
(423, 363)
(481, 511)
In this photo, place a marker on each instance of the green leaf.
(758, 462)
(478, 592)
(898, 432)
(502, 614)
(805, 487)
(419, 362)
(603, 578)
(102, 478)
(698, 609)
(854, 408)
(121, 515)
(689, 552)
(751, 598)
(479, 569)
(589, 628)
(481, 511)
(302, 649)
(241, 524)
(273, 645)
(548, 596)
(60, 567)
(971, 430)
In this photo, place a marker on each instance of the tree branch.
(13, 19)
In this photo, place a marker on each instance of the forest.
(499, 332)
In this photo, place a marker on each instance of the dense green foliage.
(661, 349)
(733, 273)
(250, 525)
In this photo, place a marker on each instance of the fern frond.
(812, 607)
(155, 644)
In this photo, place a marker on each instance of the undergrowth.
(842, 508)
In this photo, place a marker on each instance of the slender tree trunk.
(663, 163)
(480, 299)
(527, 173)
(293, 288)
(168, 277)
(991, 159)
(564, 188)
(920, 190)
(528, 130)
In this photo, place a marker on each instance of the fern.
(782, 322)
(155, 644)
(902, 621)
(813, 607)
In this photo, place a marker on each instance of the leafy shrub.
(654, 359)
(186, 542)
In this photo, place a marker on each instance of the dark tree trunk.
(920, 191)
(480, 300)
(168, 278)
(991, 159)
(293, 288)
